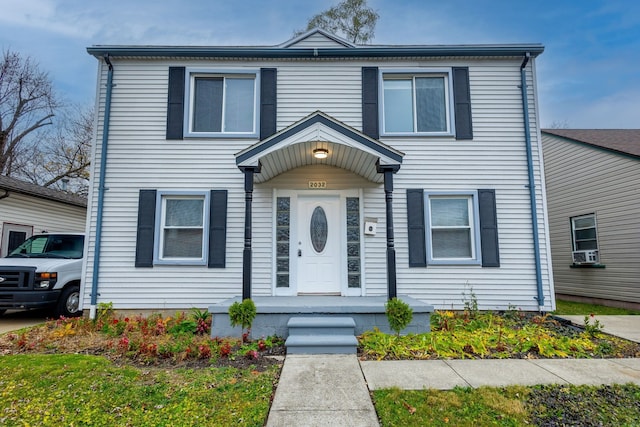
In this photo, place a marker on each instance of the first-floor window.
(583, 233)
(452, 233)
(182, 228)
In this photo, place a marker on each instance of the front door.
(317, 249)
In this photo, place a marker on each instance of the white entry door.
(317, 250)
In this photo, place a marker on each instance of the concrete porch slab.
(273, 313)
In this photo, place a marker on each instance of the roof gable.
(317, 38)
(293, 147)
(623, 141)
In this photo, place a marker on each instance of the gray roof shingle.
(15, 185)
(626, 141)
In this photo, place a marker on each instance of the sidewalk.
(447, 374)
(328, 390)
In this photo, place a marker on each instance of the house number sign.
(317, 185)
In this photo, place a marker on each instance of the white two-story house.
(317, 169)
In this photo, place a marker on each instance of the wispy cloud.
(587, 74)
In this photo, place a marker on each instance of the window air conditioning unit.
(585, 257)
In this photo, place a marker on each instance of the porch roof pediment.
(293, 147)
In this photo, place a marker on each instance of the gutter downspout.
(532, 183)
(101, 189)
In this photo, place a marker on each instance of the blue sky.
(588, 76)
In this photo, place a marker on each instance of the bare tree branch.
(27, 104)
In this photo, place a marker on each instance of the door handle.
(299, 252)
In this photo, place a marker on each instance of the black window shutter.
(488, 228)
(217, 228)
(146, 228)
(462, 101)
(370, 122)
(268, 101)
(416, 225)
(175, 103)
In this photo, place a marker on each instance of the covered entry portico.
(319, 297)
(318, 227)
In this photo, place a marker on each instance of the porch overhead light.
(320, 153)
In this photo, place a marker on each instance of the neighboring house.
(593, 189)
(317, 168)
(27, 208)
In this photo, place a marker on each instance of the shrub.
(242, 313)
(399, 314)
(202, 319)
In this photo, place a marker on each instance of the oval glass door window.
(319, 229)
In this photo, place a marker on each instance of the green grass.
(579, 308)
(74, 390)
(511, 406)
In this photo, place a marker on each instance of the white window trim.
(418, 72)
(192, 73)
(474, 217)
(573, 231)
(159, 228)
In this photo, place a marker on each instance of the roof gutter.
(101, 189)
(278, 52)
(532, 183)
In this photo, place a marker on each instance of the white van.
(43, 272)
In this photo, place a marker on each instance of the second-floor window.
(416, 103)
(222, 104)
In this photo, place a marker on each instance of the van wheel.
(69, 302)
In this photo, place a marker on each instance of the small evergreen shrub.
(399, 314)
(242, 313)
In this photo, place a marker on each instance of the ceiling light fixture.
(320, 153)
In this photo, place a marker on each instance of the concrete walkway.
(322, 390)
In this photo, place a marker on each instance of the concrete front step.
(321, 335)
(321, 344)
(319, 325)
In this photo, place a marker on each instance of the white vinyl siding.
(333, 87)
(140, 157)
(583, 180)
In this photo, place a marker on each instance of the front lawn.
(135, 371)
(168, 371)
(71, 389)
(547, 405)
(579, 308)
